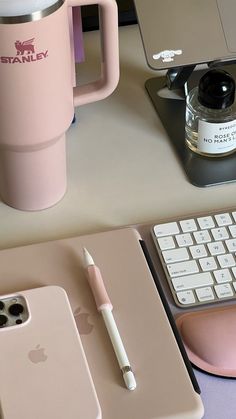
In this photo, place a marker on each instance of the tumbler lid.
(216, 89)
(21, 8)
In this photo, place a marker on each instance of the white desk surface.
(121, 166)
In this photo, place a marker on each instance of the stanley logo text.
(25, 53)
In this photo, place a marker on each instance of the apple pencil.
(104, 305)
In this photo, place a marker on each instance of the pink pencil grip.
(98, 289)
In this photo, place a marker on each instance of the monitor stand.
(168, 97)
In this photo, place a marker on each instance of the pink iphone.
(43, 369)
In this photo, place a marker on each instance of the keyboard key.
(232, 230)
(188, 225)
(198, 251)
(184, 239)
(166, 243)
(205, 294)
(186, 297)
(226, 261)
(182, 268)
(222, 275)
(202, 236)
(224, 291)
(220, 233)
(223, 219)
(234, 215)
(176, 255)
(216, 248)
(166, 229)
(231, 245)
(208, 264)
(206, 222)
(192, 281)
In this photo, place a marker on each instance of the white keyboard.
(199, 257)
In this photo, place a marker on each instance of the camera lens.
(3, 320)
(1, 305)
(16, 309)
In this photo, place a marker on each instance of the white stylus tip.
(129, 380)
(88, 260)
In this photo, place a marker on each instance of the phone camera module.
(1, 305)
(3, 320)
(16, 309)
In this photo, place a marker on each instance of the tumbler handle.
(108, 81)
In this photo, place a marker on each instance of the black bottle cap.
(216, 89)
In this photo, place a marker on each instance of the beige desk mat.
(164, 388)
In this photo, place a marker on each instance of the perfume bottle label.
(216, 138)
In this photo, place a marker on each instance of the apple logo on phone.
(37, 355)
(82, 322)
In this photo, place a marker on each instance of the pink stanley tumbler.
(37, 96)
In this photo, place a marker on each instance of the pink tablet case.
(164, 386)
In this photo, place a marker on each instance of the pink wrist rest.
(209, 337)
(98, 289)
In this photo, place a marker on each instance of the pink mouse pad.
(209, 337)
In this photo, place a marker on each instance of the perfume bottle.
(210, 120)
